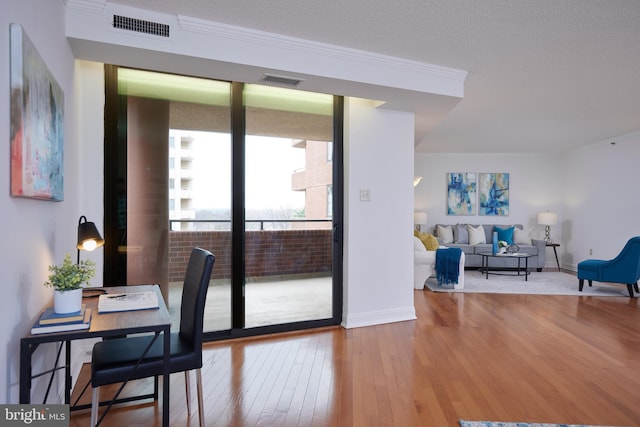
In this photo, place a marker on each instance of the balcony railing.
(282, 252)
(260, 222)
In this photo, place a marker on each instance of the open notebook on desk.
(127, 301)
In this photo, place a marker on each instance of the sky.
(269, 165)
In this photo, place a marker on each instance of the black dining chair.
(119, 360)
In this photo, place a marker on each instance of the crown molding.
(93, 6)
(256, 37)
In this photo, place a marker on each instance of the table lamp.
(420, 219)
(547, 219)
(88, 236)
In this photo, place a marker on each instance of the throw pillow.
(505, 234)
(445, 233)
(522, 237)
(428, 240)
(476, 235)
(461, 235)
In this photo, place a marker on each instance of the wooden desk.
(104, 325)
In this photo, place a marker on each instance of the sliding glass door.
(246, 171)
(288, 177)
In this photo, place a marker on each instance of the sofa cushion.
(505, 234)
(466, 248)
(460, 234)
(444, 233)
(522, 237)
(483, 247)
(476, 235)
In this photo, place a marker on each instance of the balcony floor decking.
(267, 302)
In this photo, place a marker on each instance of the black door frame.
(115, 152)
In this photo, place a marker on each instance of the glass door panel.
(176, 191)
(288, 207)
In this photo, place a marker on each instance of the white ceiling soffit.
(213, 50)
(545, 76)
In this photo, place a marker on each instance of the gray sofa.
(525, 243)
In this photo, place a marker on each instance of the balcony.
(281, 253)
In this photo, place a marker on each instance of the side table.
(555, 252)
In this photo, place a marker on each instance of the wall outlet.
(365, 195)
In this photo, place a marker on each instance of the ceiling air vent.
(281, 80)
(140, 26)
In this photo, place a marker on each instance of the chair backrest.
(194, 295)
(627, 262)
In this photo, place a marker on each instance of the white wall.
(34, 233)
(378, 233)
(601, 199)
(535, 185)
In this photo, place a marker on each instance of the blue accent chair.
(624, 268)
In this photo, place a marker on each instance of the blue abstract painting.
(461, 193)
(493, 194)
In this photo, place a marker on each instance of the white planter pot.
(67, 301)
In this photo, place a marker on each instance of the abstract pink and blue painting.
(493, 194)
(37, 118)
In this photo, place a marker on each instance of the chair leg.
(635, 286)
(590, 283)
(630, 289)
(95, 405)
(580, 285)
(200, 400)
(155, 388)
(187, 383)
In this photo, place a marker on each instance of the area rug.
(538, 283)
(499, 424)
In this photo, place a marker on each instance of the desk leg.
(165, 377)
(67, 373)
(25, 372)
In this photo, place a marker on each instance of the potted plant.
(502, 246)
(67, 280)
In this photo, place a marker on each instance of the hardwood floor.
(474, 357)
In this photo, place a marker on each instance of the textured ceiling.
(544, 75)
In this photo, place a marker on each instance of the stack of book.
(50, 321)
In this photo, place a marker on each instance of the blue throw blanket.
(447, 265)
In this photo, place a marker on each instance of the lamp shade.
(88, 236)
(420, 217)
(547, 218)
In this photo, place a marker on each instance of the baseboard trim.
(378, 317)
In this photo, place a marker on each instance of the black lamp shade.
(87, 231)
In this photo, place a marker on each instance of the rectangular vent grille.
(140, 26)
(281, 80)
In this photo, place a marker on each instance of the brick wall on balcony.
(268, 252)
